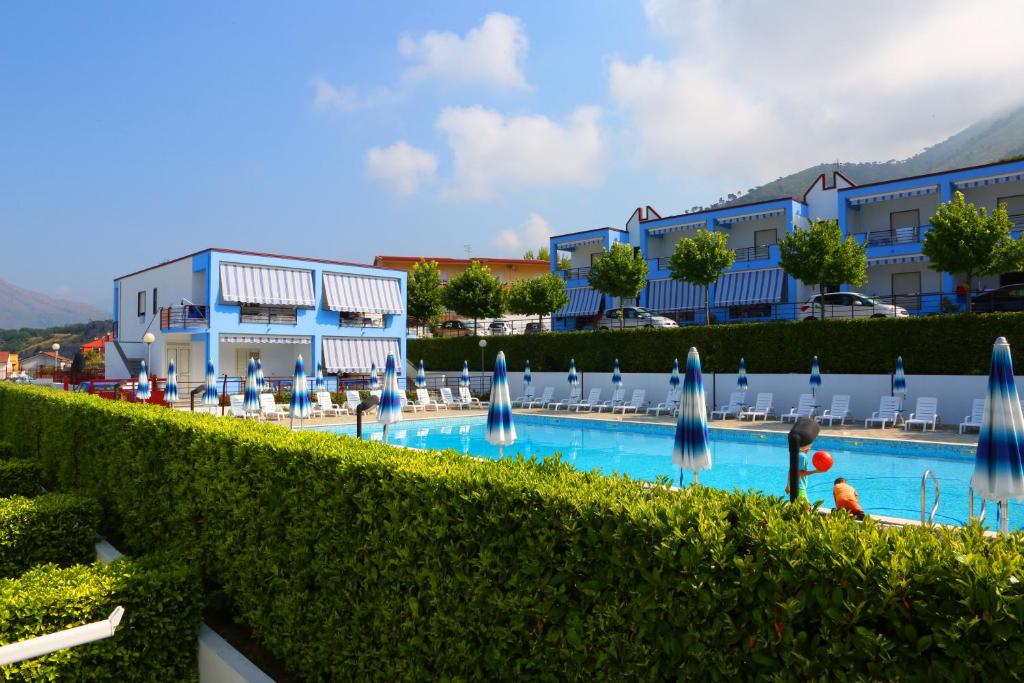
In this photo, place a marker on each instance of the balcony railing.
(1018, 220)
(280, 315)
(576, 273)
(753, 253)
(183, 317)
(661, 263)
(886, 238)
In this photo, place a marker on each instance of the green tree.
(544, 254)
(425, 292)
(538, 296)
(620, 272)
(700, 260)
(818, 255)
(529, 255)
(965, 240)
(475, 293)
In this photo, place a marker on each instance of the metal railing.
(753, 253)
(575, 273)
(930, 517)
(281, 315)
(186, 316)
(885, 238)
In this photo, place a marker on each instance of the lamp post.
(483, 345)
(149, 338)
(56, 361)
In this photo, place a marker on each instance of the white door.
(242, 357)
(182, 357)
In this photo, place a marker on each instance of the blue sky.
(131, 133)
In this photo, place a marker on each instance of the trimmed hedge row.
(933, 345)
(56, 527)
(156, 640)
(6, 450)
(357, 560)
(20, 478)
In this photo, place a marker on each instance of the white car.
(634, 316)
(849, 305)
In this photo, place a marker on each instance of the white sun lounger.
(617, 399)
(888, 412)
(974, 420)
(423, 399)
(522, 401)
(762, 408)
(470, 400)
(544, 400)
(352, 400)
(668, 406)
(237, 407)
(574, 397)
(269, 408)
(593, 398)
(635, 402)
(840, 410)
(327, 405)
(925, 414)
(407, 405)
(733, 408)
(450, 401)
(804, 408)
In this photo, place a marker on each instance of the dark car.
(453, 328)
(533, 328)
(1007, 298)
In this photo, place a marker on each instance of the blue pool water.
(887, 474)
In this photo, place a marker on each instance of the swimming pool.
(887, 474)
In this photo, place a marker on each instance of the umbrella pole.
(385, 437)
(501, 452)
(680, 477)
(1004, 516)
(695, 477)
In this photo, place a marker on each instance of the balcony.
(892, 237)
(276, 315)
(184, 317)
(760, 253)
(576, 273)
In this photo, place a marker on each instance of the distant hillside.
(27, 340)
(25, 308)
(991, 140)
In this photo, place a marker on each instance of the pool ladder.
(929, 518)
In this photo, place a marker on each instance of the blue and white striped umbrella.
(741, 377)
(899, 382)
(999, 463)
(421, 376)
(210, 395)
(171, 388)
(143, 391)
(252, 391)
(673, 379)
(374, 378)
(692, 449)
(318, 383)
(573, 378)
(527, 375)
(464, 377)
(301, 406)
(501, 431)
(815, 381)
(616, 374)
(261, 381)
(389, 411)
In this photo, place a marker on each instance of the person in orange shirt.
(846, 498)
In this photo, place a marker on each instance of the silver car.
(848, 305)
(634, 316)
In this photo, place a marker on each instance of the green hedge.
(6, 450)
(933, 345)
(56, 527)
(355, 560)
(156, 640)
(20, 478)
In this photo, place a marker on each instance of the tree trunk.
(707, 305)
(821, 298)
(970, 308)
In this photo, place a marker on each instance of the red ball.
(822, 461)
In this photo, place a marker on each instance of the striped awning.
(673, 295)
(262, 339)
(357, 354)
(689, 225)
(896, 194)
(896, 260)
(752, 216)
(573, 244)
(990, 180)
(582, 301)
(749, 287)
(250, 284)
(362, 294)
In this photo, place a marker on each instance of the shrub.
(933, 345)
(348, 557)
(57, 527)
(6, 450)
(156, 640)
(20, 478)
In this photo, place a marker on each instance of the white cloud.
(756, 90)
(491, 54)
(401, 166)
(493, 153)
(533, 233)
(328, 97)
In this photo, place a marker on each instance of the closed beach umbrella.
(142, 391)
(261, 381)
(374, 379)
(389, 411)
(300, 405)
(899, 381)
(210, 395)
(692, 450)
(673, 379)
(616, 374)
(318, 384)
(252, 391)
(573, 378)
(527, 375)
(999, 462)
(464, 377)
(741, 377)
(421, 376)
(815, 381)
(501, 431)
(171, 389)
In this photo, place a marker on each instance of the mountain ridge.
(27, 308)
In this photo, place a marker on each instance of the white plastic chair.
(617, 399)
(544, 400)
(237, 407)
(669, 405)
(593, 398)
(423, 399)
(407, 405)
(733, 408)
(327, 404)
(888, 412)
(269, 408)
(522, 401)
(839, 410)
(926, 413)
(974, 420)
(450, 401)
(574, 397)
(804, 408)
(637, 401)
(470, 400)
(762, 408)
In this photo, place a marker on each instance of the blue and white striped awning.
(673, 295)
(752, 216)
(895, 194)
(749, 287)
(990, 180)
(362, 294)
(689, 225)
(573, 244)
(583, 301)
(250, 284)
(262, 339)
(357, 354)
(896, 260)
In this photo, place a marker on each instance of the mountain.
(28, 340)
(991, 140)
(25, 308)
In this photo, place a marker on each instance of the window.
(155, 309)
(356, 319)
(763, 239)
(906, 290)
(1014, 208)
(256, 313)
(595, 257)
(905, 219)
(142, 303)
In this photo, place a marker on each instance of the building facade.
(8, 364)
(505, 269)
(227, 306)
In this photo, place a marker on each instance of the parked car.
(453, 328)
(500, 327)
(849, 305)
(1006, 298)
(634, 316)
(533, 328)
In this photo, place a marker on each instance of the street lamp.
(483, 345)
(56, 349)
(149, 338)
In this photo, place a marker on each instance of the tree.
(967, 241)
(620, 272)
(544, 254)
(78, 363)
(701, 260)
(425, 292)
(475, 293)
(529, 255)
(818, 255)
(538, 296)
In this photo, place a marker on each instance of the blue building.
(227, 306)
